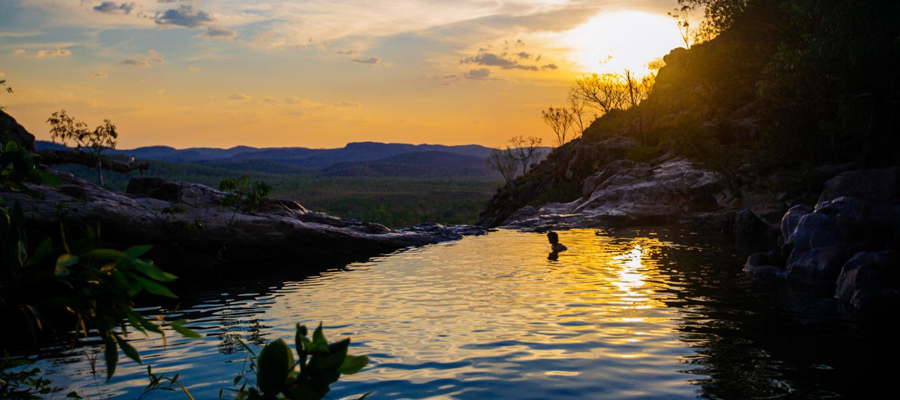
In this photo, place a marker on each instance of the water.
(641, 314)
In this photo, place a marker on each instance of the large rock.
(848, 241)
(837, 229)
(791, 219)
(11, 130)
(186, 221)
(878, 185)
(870, 280)
(628, 193)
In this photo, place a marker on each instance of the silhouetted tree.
(577, 107)
(643, 115)
(503, 161)
(682, 20)
(8, 90)
(66, 128)
(560, 121)
(526, 150)
(603, 92)
(718, 15)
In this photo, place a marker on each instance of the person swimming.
(555, 245)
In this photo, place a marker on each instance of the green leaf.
(337, 352)
(49, 179)
(111, 356)
(128, 349)
(276, 360)
(11, 146)
(63, 263)
(137, 251)
(306, 391)
(353, 364)
(179, 327)
(319, 343)
(106, 254)
(22, 253)
(44, 250)
(153, 287)
(153, 271)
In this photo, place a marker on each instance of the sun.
(616, 41)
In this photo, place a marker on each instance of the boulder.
(821, 265)
(10, 129)
(791, 219)
(870, 280)
(765, 265)
(747, 226)
(878, 185)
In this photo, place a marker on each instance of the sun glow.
(616, 41)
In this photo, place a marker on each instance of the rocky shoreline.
(188, 225)
(848, 243)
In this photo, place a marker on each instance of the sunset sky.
(316, 73)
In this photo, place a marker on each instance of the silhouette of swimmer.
(555, 245)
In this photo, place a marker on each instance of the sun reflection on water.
(484, 309)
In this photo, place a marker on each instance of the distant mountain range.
(362, 159)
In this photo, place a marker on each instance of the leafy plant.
(243, 194)
(66, 128)
(279, 375)
(23, 383)
(77, 285)
(18, 168)
(161, 382)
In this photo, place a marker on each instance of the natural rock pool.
(651, 313)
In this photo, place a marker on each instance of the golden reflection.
(604, 298)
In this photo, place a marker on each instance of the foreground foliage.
(71, 284)
(96, 141)
(280, 375)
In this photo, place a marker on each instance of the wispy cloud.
(495, 60)
(151, 58)
(479, 73)
(19, 34)
(370, 60)
(99, 74)
(238, 96)
(217, 32)
(43, 53)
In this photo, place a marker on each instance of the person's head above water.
(552, 237)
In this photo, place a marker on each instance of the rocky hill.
(766, 133)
